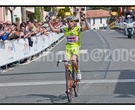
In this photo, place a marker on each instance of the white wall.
(1, 13)
(8, 16)
(97, 23)
(30, 9)
(16, 12)
(44, 15)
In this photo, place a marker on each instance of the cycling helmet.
(70, 18)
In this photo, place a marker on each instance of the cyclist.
(72, 34)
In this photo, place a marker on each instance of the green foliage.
(114, 9)
(61, 12)
(47, 8)
(37, 13)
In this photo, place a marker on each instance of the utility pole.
(23, 12)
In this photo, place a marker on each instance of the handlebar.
(59, 61)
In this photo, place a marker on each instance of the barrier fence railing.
(121, 26)
(112, 25)
(15, 50)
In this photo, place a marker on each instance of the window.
(93, 20)
(100, 20)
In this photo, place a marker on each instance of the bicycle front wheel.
(69, 83)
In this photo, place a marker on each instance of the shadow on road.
(133, 37)
(51, 98)
(126, 89)
(35, 98)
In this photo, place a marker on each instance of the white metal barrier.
(15, 50)
(121, 26)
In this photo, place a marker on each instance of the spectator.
(5, 33)
(27, 19)
(23, 24)
(35, 24)
(1, 27)
(22, 30)
(14, 32)
(43, 31)
(17, 22)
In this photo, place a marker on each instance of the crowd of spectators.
(26, 30)
(123, 18)
(17, 30)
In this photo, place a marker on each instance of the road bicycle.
(72, 83)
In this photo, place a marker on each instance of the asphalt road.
(105, 77)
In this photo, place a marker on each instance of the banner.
(15, 50)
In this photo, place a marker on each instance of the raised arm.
(87, 27)
(52, 28)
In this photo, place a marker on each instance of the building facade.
(1, 14)
(97, 18)
(6, 15)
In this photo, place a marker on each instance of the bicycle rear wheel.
(75, 85)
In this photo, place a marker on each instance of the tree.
(47, 8)
(61, 12)
(37, 14)
(114, 9)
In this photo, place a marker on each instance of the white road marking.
(103, 30)
(86, 86)
(63, 82)
(112, 30)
